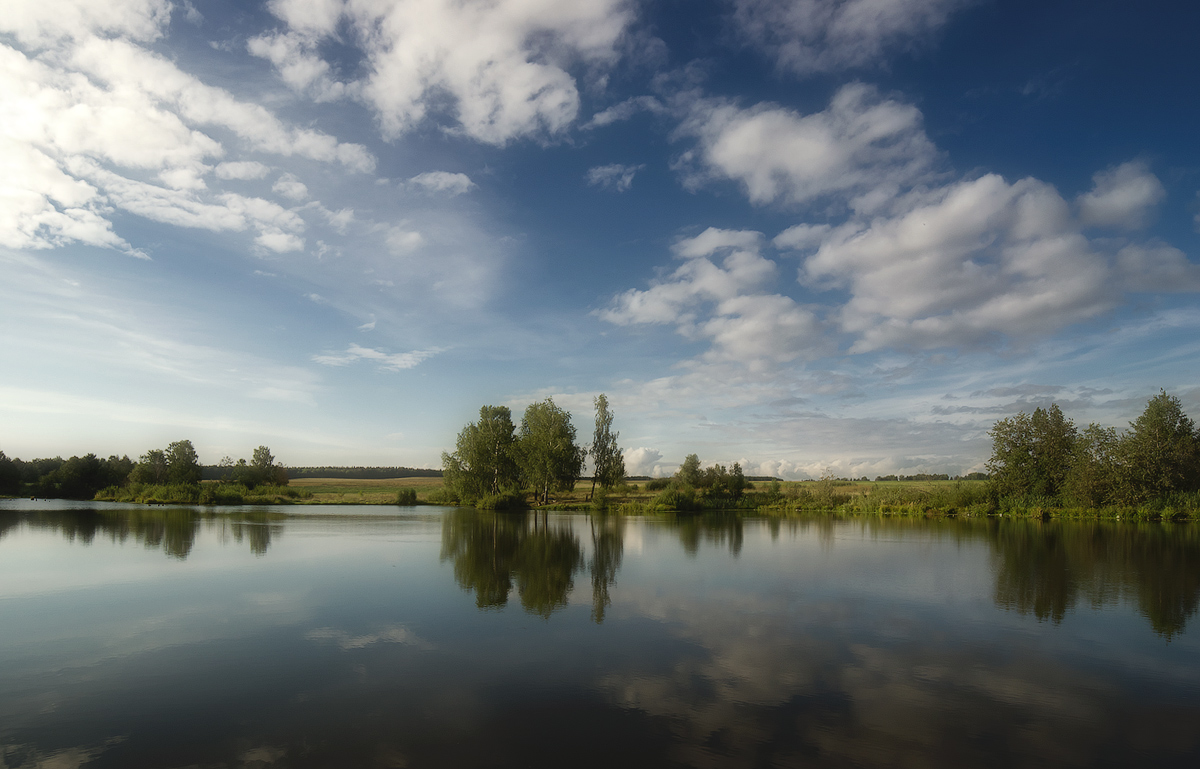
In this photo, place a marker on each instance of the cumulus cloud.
(384, 360)
(502, 65)
(92, 121)
(614, 177)
(444, 182)
(862, 146)
(812, 36)
(977, 260)
(724, 304)
(1122, 198)
(290, 187)
(643, 461)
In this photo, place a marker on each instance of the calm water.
(430, 637)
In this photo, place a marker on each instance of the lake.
(438, 637)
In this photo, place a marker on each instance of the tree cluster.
(176, 465)
(1043, 455)
(495, 461)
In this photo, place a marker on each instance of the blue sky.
(809, 236)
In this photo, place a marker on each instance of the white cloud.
(402, 241)
(387, 361)
(1122, 198)
(643, 461)
(502, 64)
(801, 237)
(41, 23)
(976, 261)
(812, 36)
(1156, 267)
(863, 146)
(88, 121)
(290, 187)
(452, 184)
(241, 169)
(724, 304)
(615, 176)
(625, 110)
(279, 241)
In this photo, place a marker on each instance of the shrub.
(406, 497)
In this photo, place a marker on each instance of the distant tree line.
(1043, 456)
(933, 477)
(357, 473)
(170, 474)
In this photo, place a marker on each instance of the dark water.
(428, 637)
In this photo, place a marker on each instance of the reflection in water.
(1045, 568)
(817, 642)
(608, 545)
(490, 550)
(714, 528)
(173, 529)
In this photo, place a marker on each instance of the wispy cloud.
(385, 360)
(613, 177)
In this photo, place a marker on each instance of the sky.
(813, 237)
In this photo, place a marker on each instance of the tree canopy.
(484, 459)
(549, 459)
(606, 455)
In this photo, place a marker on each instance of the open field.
(363, 491)
(383, 491)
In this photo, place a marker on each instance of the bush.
(680, 499)
(506, 500)
(406, 497)
(657, 484)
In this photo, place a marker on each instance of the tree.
(689, 471)
(1031, 454)
(606, 455)
(484, 460)
(10, 475)
(260, 471)
(1160, 452)
(264, 464)
(1095, 467)
(183, 466)
(151, 468)
(546, 450)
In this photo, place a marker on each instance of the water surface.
(412, 637)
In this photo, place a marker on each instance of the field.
(369, 491)
(383, 491)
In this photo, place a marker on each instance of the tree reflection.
(173, 530)
(608, 546)
(490, 552)
(716, 528)
(1044, 568)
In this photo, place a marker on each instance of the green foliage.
(681, 499)
(546, 450)
(657, 484)
(183, 466)
(484, 461)
(1095, 471)
(262, 470)
(82, 477)
(406, 497)
(689, 472)
(606, 455)
(1160, 452)
(10, 476)
(1032, 453)
(151, 468)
